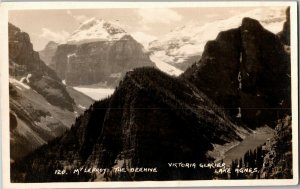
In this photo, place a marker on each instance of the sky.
(56, 25)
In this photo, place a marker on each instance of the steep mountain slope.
(182, 125)
(184, 45)
(98, 52)
(278, 161)
(247, 72)
(41, 108)
(26, 66)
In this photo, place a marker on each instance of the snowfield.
(96, 29)
(95, 93)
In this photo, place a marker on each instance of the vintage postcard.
(149, 94)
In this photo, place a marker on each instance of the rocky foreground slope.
(152, 119)
(278, 161)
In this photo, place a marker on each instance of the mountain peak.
(97, 29)
(51, 45)
(251, 24)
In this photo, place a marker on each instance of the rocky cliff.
(246, 71)
(278, 160)
(99, 62)
(25, 63)
(285, 35)
(41, 107)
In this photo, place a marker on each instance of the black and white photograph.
(178, 92)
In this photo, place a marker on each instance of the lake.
(251, 142)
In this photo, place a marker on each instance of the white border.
(4, 122)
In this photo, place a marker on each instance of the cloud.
(69, 12)
(159, 15)
(143, 27)
(143, 38)
(81, 18)
(211, 15)
(234, 12)
(53, 36)
(78, 18)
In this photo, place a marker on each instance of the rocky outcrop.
(25, 63)
(48, 52)
(278, 161)
(285, 35)
(103, 62)
(246, 72)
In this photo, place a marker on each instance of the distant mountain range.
(172, 53)
(241, 82)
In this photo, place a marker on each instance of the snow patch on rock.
(19, 84)
(81, 107)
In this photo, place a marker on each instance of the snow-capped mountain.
(98, 52)
(95, 29)
(177, 50)
(99, 30)
(186, 42)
